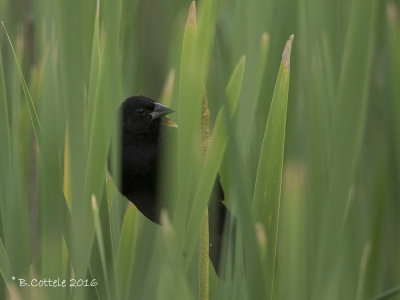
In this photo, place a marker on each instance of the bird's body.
(141, 152)
(139, 176)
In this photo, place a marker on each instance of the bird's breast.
(139, 168)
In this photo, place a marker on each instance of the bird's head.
(141, 116)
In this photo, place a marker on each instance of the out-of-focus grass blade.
(125, 259)
(267, 190)
(253, 109)
(347, 133)
(394, 34)
(363, 268)
(189, 112)
(388, 294)
(5, 268)
(109, 252)
(117, 207)
(204, 287)
(14, 191)
(168, 89)
(253, 126)
(102, 115)
(194, 64)
(31, 107)
(214, 156)
(143, 266)
(74, 30)
(50, 171)
(162, 285)
(234, 87)
(291, 271)
(252, 269)
(5, 152)
(5, 145)
(106, 100)
(101, 247)
(5, 160)
(67, 172)
(94, 65)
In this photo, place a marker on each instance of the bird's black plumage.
(141, 152)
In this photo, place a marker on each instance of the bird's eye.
(140, 111)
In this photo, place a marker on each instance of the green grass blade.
(189, 112)
(194, 62)
(346, 136)
(251, 269)
(74, 29)
(94, 65)
(14, 189)
(101, 247)
(5, 159)
(31, 107)
(5, 268)
(106, 100)
(126, 254)
(50, 172)
(204, 286)
(394, 35)
(252, 132)
(103, 105)
(388, 294)
(291, 269)
(5, 145)
(214, 156)
(267, 190)
(5, 156)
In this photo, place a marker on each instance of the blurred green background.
(67, 66)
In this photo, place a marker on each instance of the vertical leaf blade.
(267, 191)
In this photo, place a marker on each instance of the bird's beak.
(160, 111)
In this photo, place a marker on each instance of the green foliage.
(309, 159)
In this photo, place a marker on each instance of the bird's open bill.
(169, 123)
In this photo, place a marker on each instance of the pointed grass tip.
(261, 235)
(94, 203)
(265, 39)
(287, 51)
(168, 88)
(242, 59)
(97, 7)
(392, 13)
(191, 19)
(165, 222)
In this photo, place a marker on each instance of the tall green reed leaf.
(189, 112)
(14, 191)
(5, 146)
(291, 269)
(5, 157)
(75, 21)
(194, 61)
(347, 133)
(394, 35)
(126, 255)
(5, 268)
(49, 167)
(31, 107)
(267, 190)
(214, 156)
(101, 246)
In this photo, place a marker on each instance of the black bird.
(141, 120)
